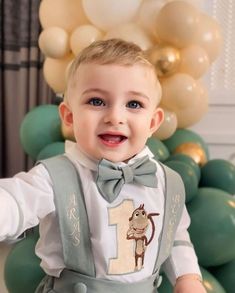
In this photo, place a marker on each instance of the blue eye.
(134, 105)
(97, 102)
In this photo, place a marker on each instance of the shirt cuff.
(182, 261)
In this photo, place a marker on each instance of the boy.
(113, 229)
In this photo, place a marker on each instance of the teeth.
(112, 138)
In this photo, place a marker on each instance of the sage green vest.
(79, 275)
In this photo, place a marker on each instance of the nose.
(115, 116)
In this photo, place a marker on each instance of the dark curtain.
(22, 86)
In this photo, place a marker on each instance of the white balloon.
(147, 14)
(131, 32)
(107, 14)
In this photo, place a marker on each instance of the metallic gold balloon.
(165, 59)
(193, 150)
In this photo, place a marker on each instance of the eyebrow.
(139, 94)
(98, 90)
(94, 90)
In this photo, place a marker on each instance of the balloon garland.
(180, 39)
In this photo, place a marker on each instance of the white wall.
(217, 126)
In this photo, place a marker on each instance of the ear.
(157, 119)
(66, 114)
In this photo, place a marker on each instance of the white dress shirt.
(27, 199)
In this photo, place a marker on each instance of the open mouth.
(112, 139)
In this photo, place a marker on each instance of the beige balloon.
(168, 126)
(67, 14)
(178, 91)
(54, 72)
(177, 23)
(54, 42)
(83, 36)
(194, 112)
(194, 61)
(131, 32)
(209, 36)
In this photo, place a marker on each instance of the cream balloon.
(107, 14)
(194, 112)
(194, 61)
(179, 91)
(131, 32)
(147, 14)
(83, 36)
(177, 23)
(209, 36)
(168, 126)
(54, 72)
(67, 14)
(54, 42)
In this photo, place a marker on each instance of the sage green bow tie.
(111, 177)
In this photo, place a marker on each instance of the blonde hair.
(111, 51)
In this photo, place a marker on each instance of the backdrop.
(22, 86)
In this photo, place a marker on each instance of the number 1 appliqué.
(125, 261)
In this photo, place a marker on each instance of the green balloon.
(165, 286)
(40, 127)
(181, 136)
(225, 274)
(188, 176)
(219, 173)
(22, 272)
(212, 228)
(53, 149)
(211, 283)
(188, 160)
(159, 150)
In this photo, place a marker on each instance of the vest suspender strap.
(69, 201)
(174, 204)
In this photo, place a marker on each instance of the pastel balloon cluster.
(180, 40)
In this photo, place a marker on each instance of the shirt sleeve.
(183, 259)
(24, 200)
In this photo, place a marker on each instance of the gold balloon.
(193, 150)
(166, 59)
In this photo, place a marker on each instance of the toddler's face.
(112, 110)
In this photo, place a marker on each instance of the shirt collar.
(79, 157)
